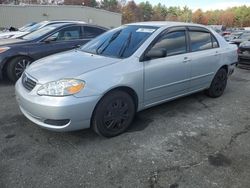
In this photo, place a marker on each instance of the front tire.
(16, 67)
(218, 84)
(113, 114)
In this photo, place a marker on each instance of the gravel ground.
(194, 141)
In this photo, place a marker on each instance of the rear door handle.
(186, 59)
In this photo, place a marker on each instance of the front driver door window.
(168, 76)
(69, 33)
(62, 40)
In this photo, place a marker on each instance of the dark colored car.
(244, 52)
(17, 54)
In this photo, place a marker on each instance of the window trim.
(166, 31)
(213, 37)
(203, 30)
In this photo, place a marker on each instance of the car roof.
(65, 21)
(59, 24)
(74, 23)
(165, 24)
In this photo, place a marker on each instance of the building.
(16, 15)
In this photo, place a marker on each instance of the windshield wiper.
(125, 45)
(114, 36)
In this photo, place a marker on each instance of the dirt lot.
(192, 142)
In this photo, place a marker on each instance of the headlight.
(61, 88)
(3, 49)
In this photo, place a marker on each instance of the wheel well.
(225, 67)
(127, 90)
(8, 60)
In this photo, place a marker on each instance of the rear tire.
(113, 114)
(16, 67)
(218, 84)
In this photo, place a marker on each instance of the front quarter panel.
(125, 73)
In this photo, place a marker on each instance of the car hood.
(69, 64)
(19, 34)
(245, 44)
(9, 42)
(12, 34)
(237, 40)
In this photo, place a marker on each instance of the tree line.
(145, 11)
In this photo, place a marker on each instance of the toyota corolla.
(125, 70)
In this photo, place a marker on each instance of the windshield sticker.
(145, 30)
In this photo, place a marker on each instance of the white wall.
(14, 15)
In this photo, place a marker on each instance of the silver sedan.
(133, 67)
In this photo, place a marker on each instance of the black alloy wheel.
(218, 84)
(113, 114)
(16, 67)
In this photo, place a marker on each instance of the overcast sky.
(203, 4)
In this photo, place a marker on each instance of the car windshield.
(38, 33)
(36, 26)
(121, 42)
(245, 36)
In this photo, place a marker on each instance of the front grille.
(27, 82)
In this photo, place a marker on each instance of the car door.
(167, 77)
(205, 57)
(64, 39)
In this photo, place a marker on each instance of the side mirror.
(155, 53)
(50, 39)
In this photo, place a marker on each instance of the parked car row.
(103, 83)
(244, 52)
(49, 38)
(242, 40)
(15, 33)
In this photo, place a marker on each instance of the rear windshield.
(121, 42)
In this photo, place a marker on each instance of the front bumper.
(40, 109)
(231, 68)
(244, 55)
(244, 58)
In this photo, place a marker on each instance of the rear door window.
(92, 32)
(200, 40)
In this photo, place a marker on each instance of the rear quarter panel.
(228, 52)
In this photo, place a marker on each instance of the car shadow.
(5, 82)
(141, 121)
(144, 118)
